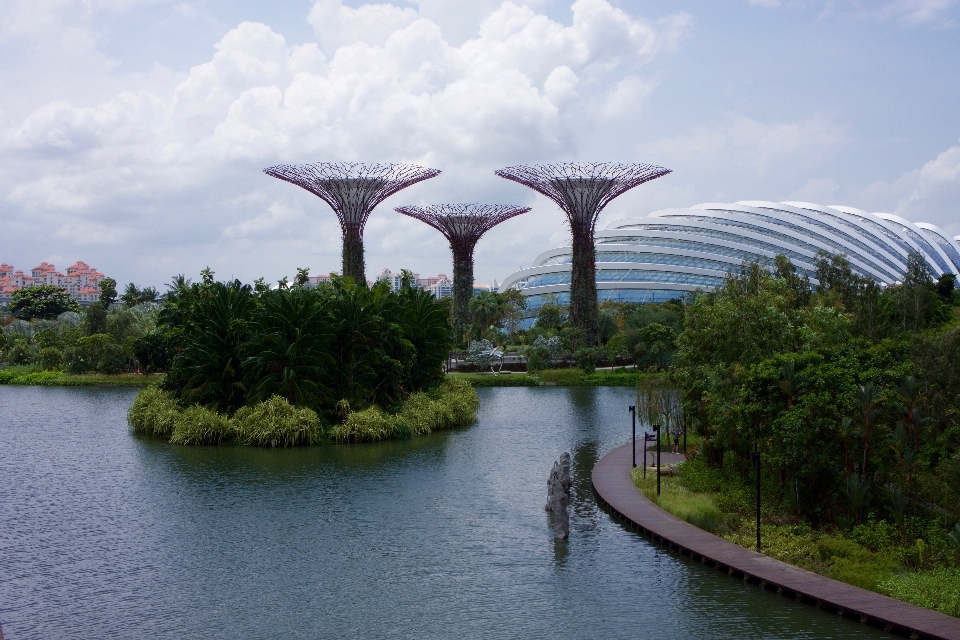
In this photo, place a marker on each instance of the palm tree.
(289, 348)
(868, 400)
(484, 309)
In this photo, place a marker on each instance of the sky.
(133, 133)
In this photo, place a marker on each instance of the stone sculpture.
(558, 495)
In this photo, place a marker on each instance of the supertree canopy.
(463, 224)
(582, 190)
(352, 190)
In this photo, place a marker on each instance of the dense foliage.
(848, 388)
(851, 394)
(43, 302)
(234, 345)
(93, 340)
(275, 422)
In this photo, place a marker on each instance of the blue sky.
(133, 132)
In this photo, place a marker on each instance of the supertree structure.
(463, 225)
(582, 190)
(352, 190)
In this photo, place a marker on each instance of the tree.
(550, 316)
(302, 278)
(915, 296)
(945, 286)
(108, 292)
(45, 301)
(133, 295)
(484, 309)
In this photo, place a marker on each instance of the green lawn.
(30, 376)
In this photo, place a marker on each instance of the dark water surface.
(107, 535)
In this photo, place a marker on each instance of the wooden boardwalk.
(611, 481)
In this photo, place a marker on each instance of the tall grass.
(452, 404)
(277, 423)
(198, 425)
(154, 413)
(698, 509)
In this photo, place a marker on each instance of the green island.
(851, 396)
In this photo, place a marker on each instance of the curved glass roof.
(694, 248)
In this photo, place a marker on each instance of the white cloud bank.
(178, 174)
(164, 175)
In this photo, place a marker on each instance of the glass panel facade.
(947, 248)
(629, 275)
(725, 235)
(886, 265)
(857, 230)
(649, 258)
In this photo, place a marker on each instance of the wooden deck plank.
(612, 482)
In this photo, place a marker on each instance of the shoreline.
(615, 489)
(13, 377)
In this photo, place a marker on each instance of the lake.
(110, 535)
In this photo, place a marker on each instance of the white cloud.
(770, 4)
(161, 169)
(928, 194)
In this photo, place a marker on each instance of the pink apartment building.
(81, 281)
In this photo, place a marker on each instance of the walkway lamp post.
(633, 415)
(656, 428)
(352, 190)
(582, 190)
(756, 459)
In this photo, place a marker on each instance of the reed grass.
(154, 412)
(698, 509)
(277, 423)
(198, 425)
(453, 404)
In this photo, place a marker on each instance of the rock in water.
(552, 481)
(558, 491)
(561, 518)
(565, 478)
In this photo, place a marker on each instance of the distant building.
(440, 285)
(81, 282)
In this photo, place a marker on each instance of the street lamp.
(656, 428)
(756, 459)
(633, 415)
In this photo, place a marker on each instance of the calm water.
(108, 535)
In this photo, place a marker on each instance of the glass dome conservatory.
(675, 251)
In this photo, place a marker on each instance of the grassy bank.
(33, 377)
(555, 377)
(277, 423)
(870, 555)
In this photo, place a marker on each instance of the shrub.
(938, 589)
(370, 425)
(154, 412)
(561, 376)
(452, 404)
(855, 565)
(198, 425)
(51, 358)
(277, 423)
(696, 508)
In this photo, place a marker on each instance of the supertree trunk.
(462, 290)
(583, 285)
(353, 262)
(582, 190)
(463, 225)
